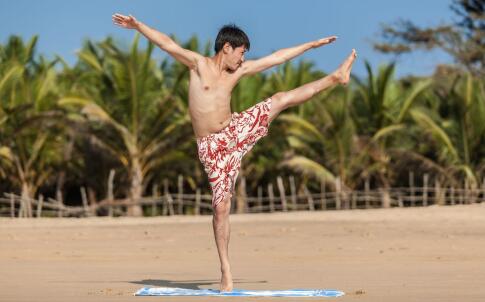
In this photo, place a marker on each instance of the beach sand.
(427, 254)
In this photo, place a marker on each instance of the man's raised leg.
(222, 230)
(282, 100)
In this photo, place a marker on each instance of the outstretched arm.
(281, 56)
(187, 57)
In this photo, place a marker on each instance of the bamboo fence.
(279, 198)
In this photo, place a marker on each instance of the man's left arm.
(278, 57)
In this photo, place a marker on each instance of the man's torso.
(210, 98)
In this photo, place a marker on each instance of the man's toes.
(351, 60)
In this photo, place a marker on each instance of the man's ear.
(227, 48)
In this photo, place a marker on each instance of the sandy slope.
(414, 254)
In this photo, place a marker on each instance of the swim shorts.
(221, 152)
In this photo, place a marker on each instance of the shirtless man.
(223, 138)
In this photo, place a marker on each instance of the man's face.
(235, 57)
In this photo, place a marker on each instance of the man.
(223, 138)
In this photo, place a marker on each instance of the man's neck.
(219, 64)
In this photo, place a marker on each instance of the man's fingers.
(118, 19)
(119, 15)
(122, 17)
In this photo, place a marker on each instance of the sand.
(401, 254)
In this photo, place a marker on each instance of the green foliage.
(120, 109)
(463, 38)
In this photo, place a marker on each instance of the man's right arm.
(187, 57)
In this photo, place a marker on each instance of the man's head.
(233, 43)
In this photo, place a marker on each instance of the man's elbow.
(167, 45)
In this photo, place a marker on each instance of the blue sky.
(270, 24)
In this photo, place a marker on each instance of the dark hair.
(233, 35)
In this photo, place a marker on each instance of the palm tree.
(381, 108)
(453, 120)
(30, 133)
(348, 137)
(134, 115)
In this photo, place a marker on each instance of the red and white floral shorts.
(221, 153)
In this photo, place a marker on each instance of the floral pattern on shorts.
(221, 153)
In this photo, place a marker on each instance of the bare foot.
(226, 282)
(342, 74)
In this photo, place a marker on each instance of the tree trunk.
(25, 198)
(135, 190)
(386, 197)
(241, 196)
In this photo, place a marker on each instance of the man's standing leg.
(222, 230)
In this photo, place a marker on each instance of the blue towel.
(167, 291)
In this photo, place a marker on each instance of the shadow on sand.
(188, 284)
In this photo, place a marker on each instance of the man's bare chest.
(205, 80)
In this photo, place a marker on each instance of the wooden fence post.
(168, 197)
(180, 186)
(399, 199)
(197, 202)
(483, 190)
(155, 197)
(271, 197)
(59, 198)
(338, 189)
(323, 194)
(281, 189)
(294, 206)
(85, 201)
(452, 193)
(39, 206)
(260, 198)
(411, 186)
(12, 206)
(366, 196)
(311, 204)
(425, 189)
(21, 208)
(110, 196)
(474, 192)
(460, 194)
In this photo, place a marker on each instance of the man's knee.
(223, 208)
(279, 102)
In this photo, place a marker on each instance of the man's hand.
(324, 41)
(125, 21)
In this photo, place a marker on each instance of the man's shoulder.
(203, 59)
